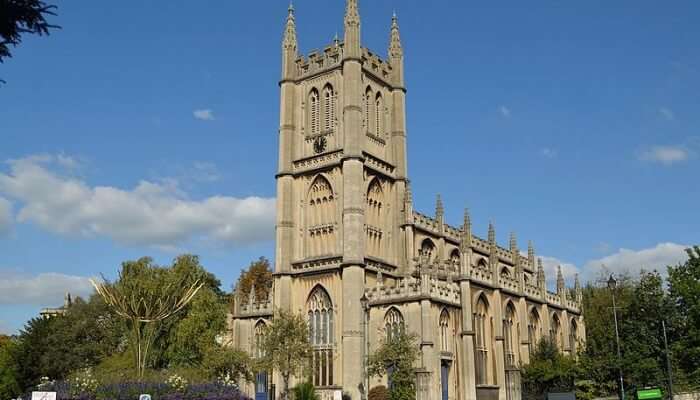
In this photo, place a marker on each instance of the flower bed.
(158, 391)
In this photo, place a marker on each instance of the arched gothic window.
(321, 335)
(328, 108)
(314, 112)
(481, 264)
(320, 218)
(482, 329)
(573, 336)
(505, 272)
(427, 250)
(533, 330)
(259, 335)
(555, 332)
(379, 115)
(393, 323)
(375, 217)
(445, 330)
(510, 336)
(455, 259)
(368, 110)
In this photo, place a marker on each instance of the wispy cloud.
(666, 155)
(547, 152)
(153, 214)
(44, 289)
(204, 114)
(504, 111)
(667, 113)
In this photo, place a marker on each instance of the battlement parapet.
(371, 62)
(317, 61)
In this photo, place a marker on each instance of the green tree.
(220, 362)
(258, 274)
(286, 347)
(305, 391)
(10, 386)
(684, 293)
(396, 356)
(549, 370)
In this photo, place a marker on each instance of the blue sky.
(150, 128)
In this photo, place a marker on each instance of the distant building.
(347, 235)
(53, 312)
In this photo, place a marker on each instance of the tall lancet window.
(482, 330)
(328, 108)
(314, 112)
(573, 336)
(321, 335)
(510, 336)
(368, 106)
(379, 115)
(393, 323)
(555, 331)
(533, 330)
(445, 333)
(320, 216)
(375, 218)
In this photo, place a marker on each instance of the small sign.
(43, 395)
(337, 395)
(649, 394)
(145, 397)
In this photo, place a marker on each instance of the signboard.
(43, 395)
(145, 397)
(648, 394)
(337, 395)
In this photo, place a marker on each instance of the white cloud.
(666, 155)
(204, 114)
(505, 111)
(5, 216)
(667, 113)
(156, 214)
(548, 152)
(627, 260)
(45, 289)
(550, 264)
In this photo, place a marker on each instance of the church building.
(355, 258)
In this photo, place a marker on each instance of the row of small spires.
(466, 231)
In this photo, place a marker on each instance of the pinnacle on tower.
(352, 30)
(290, 33)
(513, 244)
(492, 234)
(560, 280)
(466, 231)
(531, 253)
(439, 208)
(540, 274)
(395, 49)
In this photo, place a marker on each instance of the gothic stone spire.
(352, 30)
(289, 46)
(395, 49)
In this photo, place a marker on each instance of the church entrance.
(261, 386)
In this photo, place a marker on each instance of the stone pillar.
(468, 366)
(499, 356)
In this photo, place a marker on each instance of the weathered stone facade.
(346, 231)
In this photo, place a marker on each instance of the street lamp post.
(612, 285)
(364, 301)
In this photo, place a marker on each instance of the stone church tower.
(355, 258)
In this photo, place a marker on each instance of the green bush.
(378, 393)
(304, 391)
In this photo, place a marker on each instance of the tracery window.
(510, 335)
(505, 272)
(455, 259)
(445, 330)
(427, 250)
(320, 218)
(321, 335)
(533, 330)
(368, 106)
(378, 115)
(328, 107)
(314, 111)
(393, 323)
(375, 217)
(482, 332)
(259, 335)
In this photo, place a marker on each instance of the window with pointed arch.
(375, 217)
(393, 323)
(320, 216)
(510, 336)
(555, 332)
(445, 333)
(379, 115)
(314, 112)
(321, 335)
(533, 330)
(482, 331)
(427, 250)
(368, 110)
(259, 335)
(573, 336)
(481, 264)
(505, 272)
(328, 108)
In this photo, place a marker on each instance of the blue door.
(445, 380)
(261, 386)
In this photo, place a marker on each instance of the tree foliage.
(258, 275)
(305, 391)
(397, 355)
(549, 370)
(286, 347)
